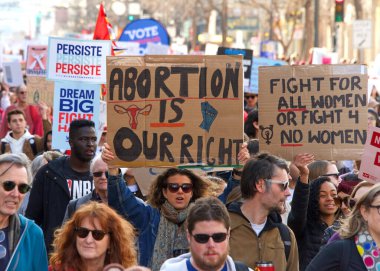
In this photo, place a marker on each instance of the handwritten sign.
(73, 100)
(370, 165)
(170, 110)
(78, 60)
(319, 109)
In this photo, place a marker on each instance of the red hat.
(347, 186)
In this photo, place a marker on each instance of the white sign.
(78, 60)
(362, 34)
(12, 73)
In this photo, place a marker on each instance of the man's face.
(83, 144)
(275, 197)
(100, 182)
(17, 124)
(22, 95)
(10, 201)
(211, 255)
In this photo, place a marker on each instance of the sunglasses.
(346, 200)
(96, 234)
(10, 185)
(283, 184)
(100, 174)
(174, 187)
(250, 97)
(216, 237)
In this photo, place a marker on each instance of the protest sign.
(257, 62)
(370, 165)
(73, 100)
(12, 73)
(173, 110)
(247, 61)
(40, 89)
(78, 60)
(319, 109)
(36, 60)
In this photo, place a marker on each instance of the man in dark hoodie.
(257, 233)
(62, 180)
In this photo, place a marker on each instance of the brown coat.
(247, 247)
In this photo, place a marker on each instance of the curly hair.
(122, 238)
(355, 221)
(313, 212)
(156, 197)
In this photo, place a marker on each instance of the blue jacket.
(143, 217)
(30, 252)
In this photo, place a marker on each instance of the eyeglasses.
(10, 185)
(377, 207)
(336, 175)
(285, 184)
(174, 187)
(22, 92)
(96, 234)
(100, 174)
(346, 200)
(216, 237)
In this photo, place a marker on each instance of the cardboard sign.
(13, 74)
(78, 60)
(36, 60)
(370, 165)
(316, 109)
(170, 110)
(40, 89)
(247, 61)
(73, 100)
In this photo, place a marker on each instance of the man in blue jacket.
(21, 240)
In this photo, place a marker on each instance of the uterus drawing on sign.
(209, 114)
(133, 111)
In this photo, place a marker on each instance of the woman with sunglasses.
(94, 237)
(160, 223)
(313, 210)
(360, 233)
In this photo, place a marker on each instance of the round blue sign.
(144, 31)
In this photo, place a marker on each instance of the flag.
(103, 31)
(103, 28)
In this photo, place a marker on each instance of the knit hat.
(348, 183)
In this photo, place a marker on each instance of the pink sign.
(370, 165)
(36, 60)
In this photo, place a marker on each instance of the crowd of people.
(77, 211)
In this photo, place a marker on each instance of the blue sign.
(144, 31)
(257, 62)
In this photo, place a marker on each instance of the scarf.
(171, 238)
(368, 250)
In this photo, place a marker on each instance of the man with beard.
(257, 233)
(208, 230)
(62, 180)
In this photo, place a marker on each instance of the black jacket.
(341, 255)
(49, 198)
(309, 233)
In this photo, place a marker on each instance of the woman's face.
(179, 198)
(371, 120)
(327, 193)
(372, 216)
(89, 248)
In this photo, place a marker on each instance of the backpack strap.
(3, 146)
(285, 237)
(240, 266)
(32, 142)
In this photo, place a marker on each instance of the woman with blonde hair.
(360, 233)
(94, 237)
